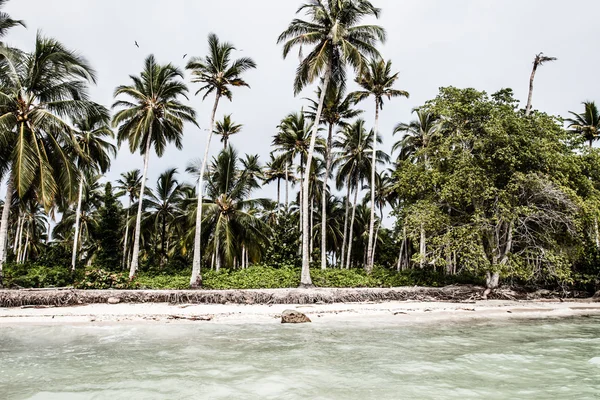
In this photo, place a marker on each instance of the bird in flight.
(136, 43)
(185, 55)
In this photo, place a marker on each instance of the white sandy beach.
(373, 312)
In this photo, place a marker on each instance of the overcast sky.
(485, 44)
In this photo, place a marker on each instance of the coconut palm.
(338, 41)
(218, 74)
(232, 224)
(129, 184)
(163, 205)
(94, 154)
(151, 117)
(226, 128)
(6, 22)
(538, 61)
(586, 124)
(39, 92)
(377, 80)
(275, 171)
(337, 110)
(353, 163)
(418, 134)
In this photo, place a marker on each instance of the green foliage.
(109, 232)
(97, 278)
(34, 275)
(283, 242)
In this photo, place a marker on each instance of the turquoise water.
(551, 359)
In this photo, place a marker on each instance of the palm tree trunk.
(350, 233)
(196, 279)
(15, 242)
(369, 265)
(77, 221)
(530, 96)
(20, 240)
(305, 280)
(375, 240)
(312, 225)
(123, 263)
(343, 258)
(596, 232)
(138, 220)
(287, 185)
(24, 256)
(278, 192)
(324, 199)
(422, 247)
(217, 255)
(4, 225)
(225, 139)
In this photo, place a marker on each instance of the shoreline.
(389, 312)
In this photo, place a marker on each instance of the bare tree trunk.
(530, 96)
(287, 185)
(596, 232)
(343, 258)
(400, 255)
(196, 279)
(212, 263)
(305, 280)
(20, 240)
(77, 222)
(369, 265)
(17, 232)
(422, 247)
(351, 231)
(278, 192)
(312, 225)
(375, 243)
(218, 255)
(126, 234)
(24, 257)
(138, 220)
(4, 225)
(324, 199)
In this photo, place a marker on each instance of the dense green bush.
(95, 278)
(29, 275)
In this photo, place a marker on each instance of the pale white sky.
(485, 44)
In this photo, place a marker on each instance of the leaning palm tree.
(93, 155)
(538, 61)
(377, 81)
(337, 110)
(337, 41)
(218, 74)
(129, 184)
(226, 128)
(354, 165)
(418, 134)
(153, 115)
(39, 92)
(6, 22)
(586, 124)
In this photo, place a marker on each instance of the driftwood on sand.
(69, 297)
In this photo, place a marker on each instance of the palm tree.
(377, 81)
(418, 134)
(337, 41)
(226, 128)
(337, 110)
(354, 165)
(219, 74)
(129, 184)
(538, 61)
(39, 92)
(275, 170)
(153, 116)
(586, 124)
(93, 156)
(233, 226)
(6, 22)
(163, 204)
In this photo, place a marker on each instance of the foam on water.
(524, 359)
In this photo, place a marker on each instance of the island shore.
(411, 305)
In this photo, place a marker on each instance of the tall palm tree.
(275, 171)
(129, 184)
(418, 134)
(39, 92)
(218, 74)
(377, 80)
(337, 110)
(586, 124)
(354, 165)
(538, 61)
(6, 22)
(94, 154)
(233, 226)
(226, 128)
(338, 41)
(152, 115)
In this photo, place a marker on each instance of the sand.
(391, 312)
